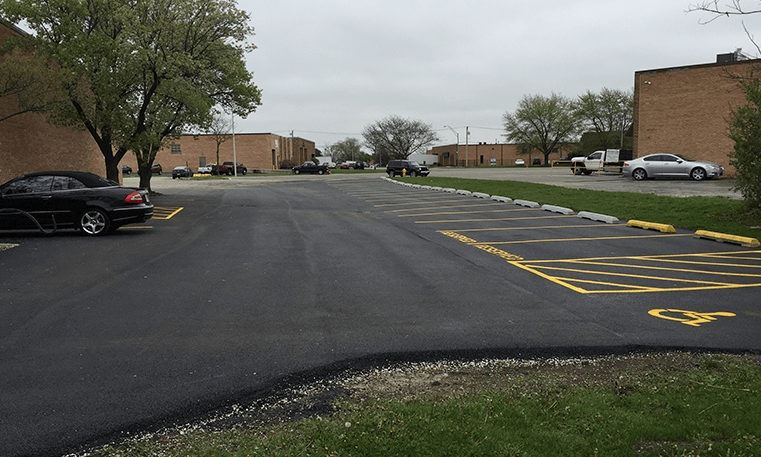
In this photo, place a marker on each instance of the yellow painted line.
(165, 213)
(682, 270)
(470, 205)
(501, 219)
(663, 228)
(463, 212)
(596, 277)
(722, 237)
(492, 229)
(420, 202)
(579, 239)
(627, 275)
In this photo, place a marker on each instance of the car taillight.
(134, 197)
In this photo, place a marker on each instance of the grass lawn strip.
(666, 404)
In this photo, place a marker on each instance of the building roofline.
(14, 27)
(695, 66)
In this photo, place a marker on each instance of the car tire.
(639, 174)
(391, 173)
(319, 172)
(577, 170)
(698, 174)
(412, 174)
(295, 172)
(244, 172)
(94, 222)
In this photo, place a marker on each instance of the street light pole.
(235, 155)
(457, 154)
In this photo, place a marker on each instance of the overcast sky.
(328, 68)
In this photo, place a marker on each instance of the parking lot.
(239, 286)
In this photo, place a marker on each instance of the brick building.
(28, 143)
(257, 151)
(686, 109)
(481, 155)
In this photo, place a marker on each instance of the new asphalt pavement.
(239, 287)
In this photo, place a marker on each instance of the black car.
(406, 167)
(126, 170)
(311, 167)
(51, 200)
(182, 172)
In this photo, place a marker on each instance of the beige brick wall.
(686, 110)
(28, 143)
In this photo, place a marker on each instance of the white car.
(520, 162)
(204, 170)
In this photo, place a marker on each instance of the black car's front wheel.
(94, 221)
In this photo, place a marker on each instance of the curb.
(498, 198)
(663, 228)
(598, 217)
(526, 203)
(557, 209)
(723, 238)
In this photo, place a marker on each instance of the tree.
(31, 79)
(608, 114)
(347, 149)
(542, 123)
(745, 131)
(398, 137)
(219, 129)
(135, 72)
(734, 8)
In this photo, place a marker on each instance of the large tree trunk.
(145, 177)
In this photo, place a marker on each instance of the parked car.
(520, 162)
(52, 200)
(204, 169)
(182, 172)
(126, 170)
(156, 168)
(671, 166)
(411, 168)
(311, 167)
(227, 169)
(360, 165)
(537, 161)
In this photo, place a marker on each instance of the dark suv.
(397, 167)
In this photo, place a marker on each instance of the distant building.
(484, 155)
(686, 109)
(257, 151)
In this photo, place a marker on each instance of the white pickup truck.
(610, 160)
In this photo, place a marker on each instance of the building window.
(176, 149)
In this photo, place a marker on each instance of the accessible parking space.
(587, 256)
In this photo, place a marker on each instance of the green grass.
(707, 407)
(716, 214)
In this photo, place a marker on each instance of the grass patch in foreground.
(649, 405)
(716, 214)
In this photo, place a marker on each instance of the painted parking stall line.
(165, 212)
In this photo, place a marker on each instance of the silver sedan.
(671, 166)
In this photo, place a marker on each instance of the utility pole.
(467, 134)
(235, 155)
